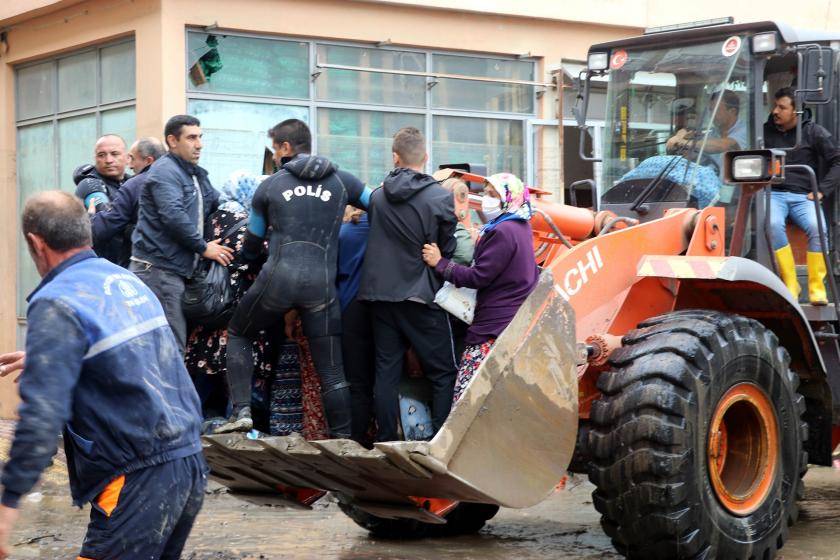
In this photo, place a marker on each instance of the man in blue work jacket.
(102, 363)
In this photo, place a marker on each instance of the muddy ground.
(564, 526)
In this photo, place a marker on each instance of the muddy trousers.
(147, 514)
(326, 356)
(168, 287)
(396, 327)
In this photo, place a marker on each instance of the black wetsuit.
(303, 204)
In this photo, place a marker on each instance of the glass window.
(121, 122)
(497, 143)
(670, 122)
(483, 96)
(76, 139)
(236, 134)
(35, 173)
(118, 72)
(356, 113)
(371, 87)
(35, 90)
(48, 152)
(360, 141)
(77, 81)
(247, 65)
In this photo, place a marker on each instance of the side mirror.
(816, 74)
(580, 107)
(579, 111)
(754, 166)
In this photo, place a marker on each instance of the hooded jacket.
(167, 232)
(116, 246)
(408, 211)
(817, 150)
(304, 205)
(119, 219)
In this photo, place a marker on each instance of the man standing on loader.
(794, 198)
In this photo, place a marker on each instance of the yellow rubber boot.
(787, 270)
(816, 277)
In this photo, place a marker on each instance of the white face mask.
(491, 207)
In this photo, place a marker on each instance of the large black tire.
(650, 439)
(466, 518)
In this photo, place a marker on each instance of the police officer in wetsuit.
(303, 203)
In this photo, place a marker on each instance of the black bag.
(208, 297)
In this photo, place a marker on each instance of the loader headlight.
(748, 168)
(597, 61)
(764, 42)
(754, 166)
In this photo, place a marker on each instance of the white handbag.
(457, 301)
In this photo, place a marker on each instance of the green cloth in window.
(464, 247)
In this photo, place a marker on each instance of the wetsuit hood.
(307, 166)
(401, 184)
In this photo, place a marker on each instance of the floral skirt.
(473, 355)
(314, 421)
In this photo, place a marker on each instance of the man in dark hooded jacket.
(98, 185)
(410, 210)
(303, 203)
(793, 199)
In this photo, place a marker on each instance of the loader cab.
(668, 112)
(677, 100)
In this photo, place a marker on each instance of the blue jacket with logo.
(167, 233)
(101, 362)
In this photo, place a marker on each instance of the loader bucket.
(508, 440)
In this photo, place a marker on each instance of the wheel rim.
(743, 448)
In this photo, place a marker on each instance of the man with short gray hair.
(119, 218)
(102, 363)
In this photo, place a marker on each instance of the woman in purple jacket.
(504, 270)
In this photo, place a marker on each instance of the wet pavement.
(564, 526)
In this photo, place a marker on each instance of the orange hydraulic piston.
(575, 223)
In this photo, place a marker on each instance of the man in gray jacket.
(169, 238)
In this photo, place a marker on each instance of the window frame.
(428, 111)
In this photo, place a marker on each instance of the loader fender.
(744, 287)
(738, 285)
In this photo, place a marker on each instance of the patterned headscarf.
(238, 191)
(516, 200)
